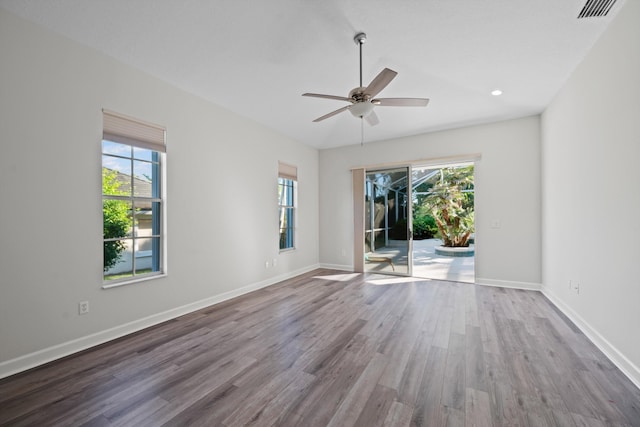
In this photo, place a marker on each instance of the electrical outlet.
(577, 288)
(83, 307)
(266, 264)
(274, 262)
(496, 223)
(343, 252)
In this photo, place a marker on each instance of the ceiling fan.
(362, 99)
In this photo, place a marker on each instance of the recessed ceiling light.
(496, 92)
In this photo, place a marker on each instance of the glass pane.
(367, 241)
(116, 176)
(147, 252)
(379, 210)
(147, 218)
(368, 188)
(282, 218)
(290, 201)
(283, 239)
(155, 177)
(156, 212)
(144, 252)
(290, 193)
(116, 219)
(285, 192)
(142, 153)
(143, 224)
(444, 196)
(286, 238)
(287, 216)
(132, 223)
(118, 256)
(116, 149)
(379, 240)
(142, 179)
(386, 222)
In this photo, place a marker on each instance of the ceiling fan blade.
(333, 113)
(401, 102)
(372, 118)
(319, 95)
(380, 82)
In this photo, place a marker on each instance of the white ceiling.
(257, 57)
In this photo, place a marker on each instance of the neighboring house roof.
(142, 186)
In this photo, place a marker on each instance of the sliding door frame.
(359, 221)
(359, 182)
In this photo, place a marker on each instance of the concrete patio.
(426, 263)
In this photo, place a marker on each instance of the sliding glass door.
(387, 221)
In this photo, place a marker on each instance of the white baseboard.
(529, 286)
(40, 357)
(617, 358)
(337, 267)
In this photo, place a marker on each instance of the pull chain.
(362, 131)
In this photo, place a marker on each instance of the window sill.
(287, 250)
(131, 281)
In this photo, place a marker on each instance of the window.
(287, 188)
(132, 204)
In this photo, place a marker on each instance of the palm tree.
(451, 204)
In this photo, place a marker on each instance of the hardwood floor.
(335, 349)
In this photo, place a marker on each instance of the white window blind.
(287, 171)
(127, 130)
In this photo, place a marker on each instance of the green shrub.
(424, 227)
(116, 220)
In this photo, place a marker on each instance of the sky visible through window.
(141, 164)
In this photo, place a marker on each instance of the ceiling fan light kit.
(362, 98)
(361, 109)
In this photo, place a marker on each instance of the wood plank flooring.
(335, 349)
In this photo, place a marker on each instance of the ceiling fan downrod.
(360, 39)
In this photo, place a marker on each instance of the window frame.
(152, 140)
(289, 211)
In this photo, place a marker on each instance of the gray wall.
(221, 180)
(591, 196)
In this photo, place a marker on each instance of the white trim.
(529, 286)
(613, 354)
(132, 280)
(434, 161)
(337, 267)
(40, 357)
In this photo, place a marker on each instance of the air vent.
(596, 8)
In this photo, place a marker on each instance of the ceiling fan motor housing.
(358, 94)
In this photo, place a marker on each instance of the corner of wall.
(616, 356)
